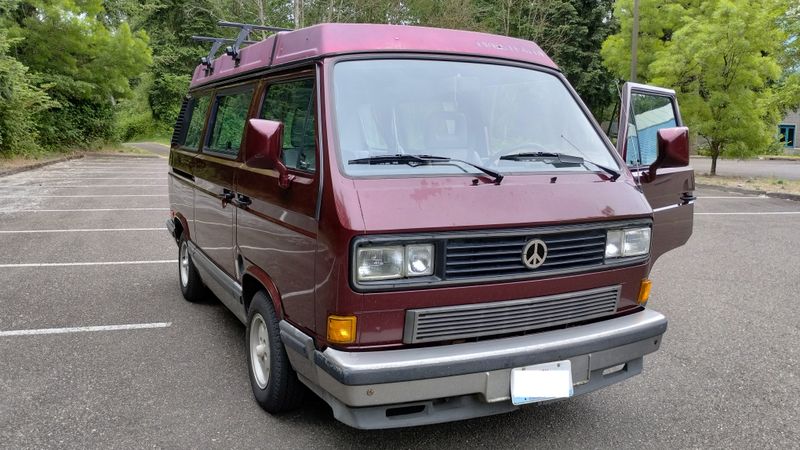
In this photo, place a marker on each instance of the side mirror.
(263, 148)
(673, 149)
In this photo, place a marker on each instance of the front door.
(214, 170)
(644, 110)
(277, 226)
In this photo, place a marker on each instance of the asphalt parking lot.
(83, 244)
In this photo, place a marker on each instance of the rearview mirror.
(673, 149)
(263, 148)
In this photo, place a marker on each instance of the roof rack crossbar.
(215, 46)
(235, 44)
(253, 27)
(244, 32)
(215, 39)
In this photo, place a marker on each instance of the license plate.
(541, 382)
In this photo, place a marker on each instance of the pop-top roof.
(337, 38)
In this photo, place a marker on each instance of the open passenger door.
(655, 145)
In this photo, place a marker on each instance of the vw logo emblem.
(534, 253)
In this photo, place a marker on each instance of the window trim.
(330, 100)
(644, 90)
(672, 101)
(193, 97)
(212, 117)
(302, 75)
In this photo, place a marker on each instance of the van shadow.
(546, 425)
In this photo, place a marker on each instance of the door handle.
(242, 201)
(227, 197)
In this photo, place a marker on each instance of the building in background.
(788, 129)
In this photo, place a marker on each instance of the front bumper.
(407, 387)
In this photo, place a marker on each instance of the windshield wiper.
(423, 160)
(562, 158)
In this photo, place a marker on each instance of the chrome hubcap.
(183, 261)
(259, 350)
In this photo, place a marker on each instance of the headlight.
(419, 260)
(391, 262)
(627, 242)
(379, 263)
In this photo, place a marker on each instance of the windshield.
(469, 111)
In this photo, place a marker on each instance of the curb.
(38, 165)
(738, 190)
(125, 155)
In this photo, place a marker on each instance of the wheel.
(274, 382)
(192, 286)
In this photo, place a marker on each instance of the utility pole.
(635, 41)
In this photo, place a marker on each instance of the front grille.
(490, 256)
(485, 319)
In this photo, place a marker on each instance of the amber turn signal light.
(644, 292)
(341, 329)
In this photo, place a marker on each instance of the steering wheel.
(515, 149)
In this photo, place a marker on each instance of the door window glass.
(292, 103)
(197, 118)
(228, 126)
(649, 114)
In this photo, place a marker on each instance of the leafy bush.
(20, 102)
(134, 117)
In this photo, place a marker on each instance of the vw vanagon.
(422, 225)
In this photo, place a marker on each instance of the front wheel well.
(250, 286)
(178, 228)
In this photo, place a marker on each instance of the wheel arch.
(181, 226)
(254, 280)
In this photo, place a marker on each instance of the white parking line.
(91, 178)
(82, 210)
(82, 196)
(58, 186)
(766, 213)
(105, 263)
(79, 230)
(132, 326)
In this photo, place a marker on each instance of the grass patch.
(159, 139)
(765, 184)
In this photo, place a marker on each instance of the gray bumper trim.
(359, 368)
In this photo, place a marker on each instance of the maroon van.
(423, 225)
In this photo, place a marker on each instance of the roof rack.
(232, 50)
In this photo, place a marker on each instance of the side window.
(649, 114)
(292, 103)
(228, 122)
(196, 116)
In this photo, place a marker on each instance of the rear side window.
(228, 122)
(292, 103)
(196, 116)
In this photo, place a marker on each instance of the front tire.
(192, 286)
(274, 381)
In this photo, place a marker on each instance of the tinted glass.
(292, 103)
(470, 111)
(650, 114)
(197, 118)
(228, 126)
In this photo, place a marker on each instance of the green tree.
(659, 19)
(571, 32)
(723, 64)
(88, 65)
